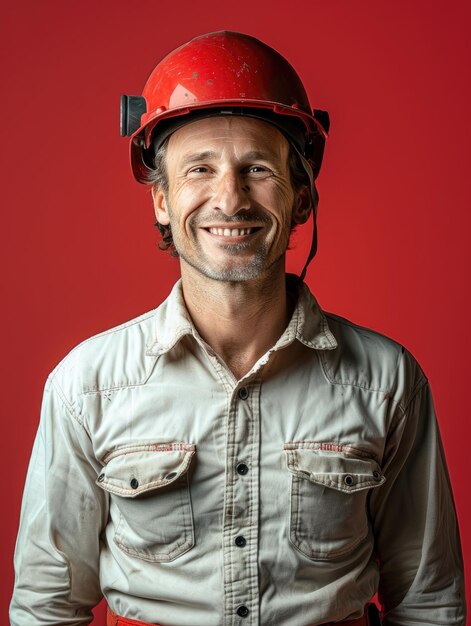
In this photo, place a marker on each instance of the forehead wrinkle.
(238, 140)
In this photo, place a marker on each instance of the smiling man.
(230, 204)
(237, 456)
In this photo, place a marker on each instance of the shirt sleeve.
(63, 513)
(414, 520)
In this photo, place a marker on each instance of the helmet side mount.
(323, 118)
(131, 110)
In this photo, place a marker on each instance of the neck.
(239, 320)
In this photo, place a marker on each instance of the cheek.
(278, 199)
(189, 196)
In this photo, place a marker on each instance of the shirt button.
(376, 475)
(242, 611)
(240, 541)
(243, 393)
(348, 480)
(242, 469)
(101, 478)
(134, 483)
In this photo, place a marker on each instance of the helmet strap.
(313, 250)
(309, 169)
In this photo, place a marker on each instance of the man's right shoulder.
(114, 358)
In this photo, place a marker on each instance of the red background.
(78, 247)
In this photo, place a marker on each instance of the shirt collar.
(308, 324)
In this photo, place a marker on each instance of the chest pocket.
(328, 509)
(150, 503)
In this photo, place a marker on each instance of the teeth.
(228, 232)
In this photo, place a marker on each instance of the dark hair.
(158, 177)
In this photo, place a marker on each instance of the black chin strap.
(312, 251)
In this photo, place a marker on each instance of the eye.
(257, 171)
(201, 169)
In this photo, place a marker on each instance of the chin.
(233, 274)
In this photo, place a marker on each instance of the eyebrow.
(256, 155)
(207, 155)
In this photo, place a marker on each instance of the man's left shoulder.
(370, 360)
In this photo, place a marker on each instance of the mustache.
(249, 215)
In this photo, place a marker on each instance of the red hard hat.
(223, 72)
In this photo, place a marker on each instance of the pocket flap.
(132, 470)
(334, 470)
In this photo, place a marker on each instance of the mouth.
(232, 232)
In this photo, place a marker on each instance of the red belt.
(115, 620)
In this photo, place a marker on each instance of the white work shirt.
(286, 498)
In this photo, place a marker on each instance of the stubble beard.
(246, 272)
(249, 271)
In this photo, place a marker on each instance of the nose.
(231, 196)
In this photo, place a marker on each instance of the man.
(236, 456)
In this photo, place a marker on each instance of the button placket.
(241, 529)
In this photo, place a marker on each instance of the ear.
(160, 205)
(304, 205)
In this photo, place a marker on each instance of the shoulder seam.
(403, 408)
(104, 333)
(123, 326)
(346, 322)
(347, 383)
(66, 403)
(421, 383)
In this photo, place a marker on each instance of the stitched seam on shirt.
(148, 447)
(117, 329)
(362, 484)
(332, 381)
(119, 386)
(156, 557)
(252, 490)
(104, 333)
(351, 325)
(220, 372)
(179, 333)
(360, 453)
(326, 333)
(68, 406)
(185, 542)
(304, 545)
(345, 322)
(330, 446)
(227, 554)
(351, 451)
(301, 313)
(403, 408)
(420, 384)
